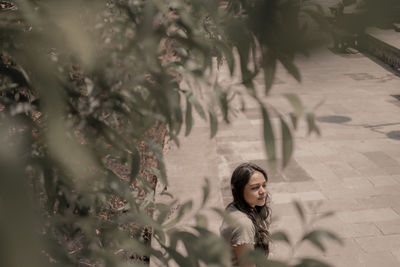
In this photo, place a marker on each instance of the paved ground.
(353, 169)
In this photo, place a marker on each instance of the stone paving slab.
(368, 215)
(389, 227)
(379, 243)
(386, 259)
(396, 254)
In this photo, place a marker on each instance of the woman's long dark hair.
(260, 215)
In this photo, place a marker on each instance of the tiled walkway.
(353, 168)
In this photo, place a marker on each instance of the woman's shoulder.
(239, 229)
(239, 216)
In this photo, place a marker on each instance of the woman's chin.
(261, 203)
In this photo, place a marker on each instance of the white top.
(241, 232)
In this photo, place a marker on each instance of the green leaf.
(269, 139)
(206, 192)
(274, 263)
(216, 247)
(149, 199)
(330, 235)
(141, 218)
(175, 102)
(224, 105)
(225, 215)
(312, 126)
(49, 186)
(115, 184)
(240, 36)
(187, 206)
(287, 62)
(281, 236)
(287, 143)
(300, 211)
(201, 221)
(188, 117)
(144, 184)
(157, 152)
(315, 240)
(190, 242)
(177, 257)
(197, 106)
(213, 123)
(296, 103)
(259, 259)
(165, 193)
(173, 238)
(316, 236)
(269, 68)
(228, 55)
(293, 119)
(164, 210)
(133, 244)
(307, 262)
(174, 138)
(326, 214)
(135, 164)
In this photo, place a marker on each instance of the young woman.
(249, 210)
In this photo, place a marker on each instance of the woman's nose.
(262, 190)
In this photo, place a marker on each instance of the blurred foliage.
(88, 91)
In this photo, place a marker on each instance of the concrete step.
(384, 44)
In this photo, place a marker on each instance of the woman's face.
(255, 191)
